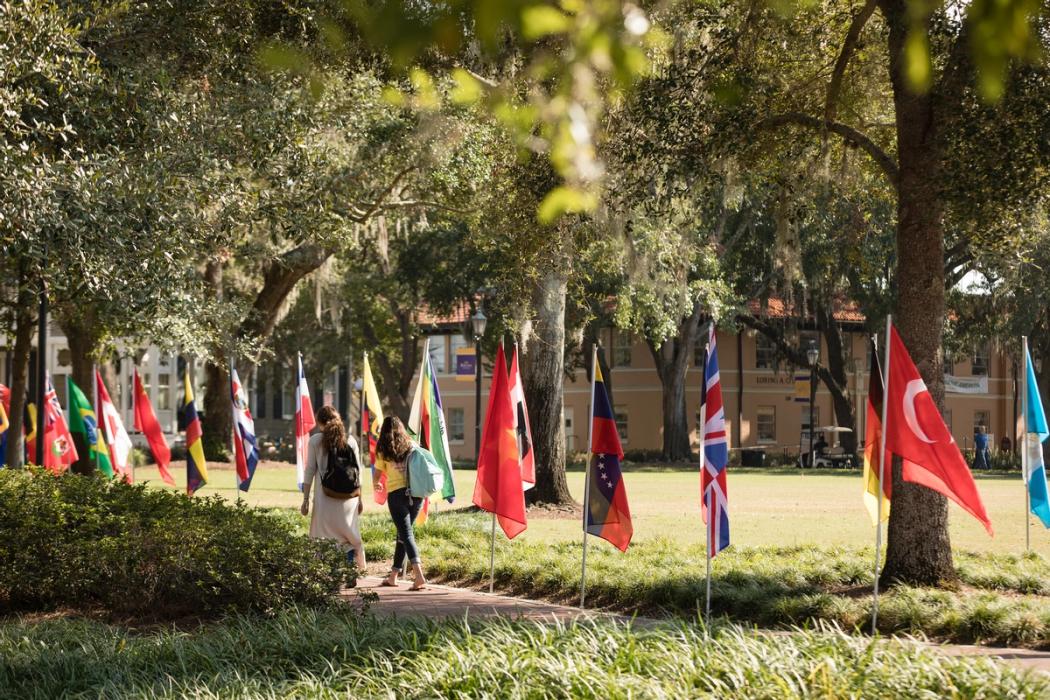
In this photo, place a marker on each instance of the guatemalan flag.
(245, 448)
(714, 452)
(304, 423)
(1036, 427)
(608, 515)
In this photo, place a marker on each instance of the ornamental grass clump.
(93, 544)
(310, 653)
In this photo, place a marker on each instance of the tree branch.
(848, 133)
(362, 214)
(845, 54)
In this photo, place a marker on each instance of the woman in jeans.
(392, 453)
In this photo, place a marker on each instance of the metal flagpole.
(703, 493)
(233, 434)
(492, 556)
(882, 475)
(94, 408)
(492, 537)
(134, 407)
(587, 474)
(1024, 447)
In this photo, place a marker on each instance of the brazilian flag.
(83, 426)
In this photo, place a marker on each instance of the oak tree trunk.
(544, 378)
(837, 378)
(217, 421)
(918, 548)
(79, 327)
(672, 358)
(25, 325)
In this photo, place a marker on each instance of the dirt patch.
(552, 512)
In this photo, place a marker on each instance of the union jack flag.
(714, 452)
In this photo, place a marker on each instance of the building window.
(457, 341)
(979, 366)
(164, 391)
(437, 354)
(766, 424)
(980, 419)
(278, 394)
(805, 416)
(456, 425)
(621, 423)
(59, 382)
(765, 352)
(260, 394)
(287, 401)
(949, 362)
(621, 354)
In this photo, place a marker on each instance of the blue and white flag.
(1037, 431)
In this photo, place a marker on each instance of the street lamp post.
(813, 355)
(478, 322)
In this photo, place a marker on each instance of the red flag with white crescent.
(916, 433)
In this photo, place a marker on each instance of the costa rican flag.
(245, 448)
(714, 452)
(304, 423)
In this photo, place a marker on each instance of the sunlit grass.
(1004, 599)
(330, 654)
(782, 507)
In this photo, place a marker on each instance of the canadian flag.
(304, 423)
(916, 433)
(113, 427)
(521, 425)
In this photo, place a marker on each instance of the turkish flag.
(916, 433)
(498, 488)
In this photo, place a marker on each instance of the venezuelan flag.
(608, 515)
(196, 467)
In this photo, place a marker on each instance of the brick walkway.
(446, 601)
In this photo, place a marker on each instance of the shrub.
(91, 543)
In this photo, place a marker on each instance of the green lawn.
(780, 508)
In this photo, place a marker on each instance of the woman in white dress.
(333, 518)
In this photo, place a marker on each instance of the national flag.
(371, 422)
(1036, 428)
(146, 423)
(246, 450)
(5, 411)
(30, 432)
(608, 515)
(521, 425)
(498, 487)
(917, 434)
(304, 423)
(112, 428)
(872, 444)
(426, 422)
(196, 466)
(59, 450)
(83, 426)
(714, 452)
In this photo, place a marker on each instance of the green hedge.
(88, 543)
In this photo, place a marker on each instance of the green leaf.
(565, 200)
(539, 21)
(917, 66)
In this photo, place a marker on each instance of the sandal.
(386, 584)
(420, 587)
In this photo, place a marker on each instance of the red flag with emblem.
(917, 434)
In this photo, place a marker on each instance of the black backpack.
(342, 478)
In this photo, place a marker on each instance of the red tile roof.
(774, 307)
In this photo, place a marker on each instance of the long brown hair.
(393, 444)
(333, 434)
